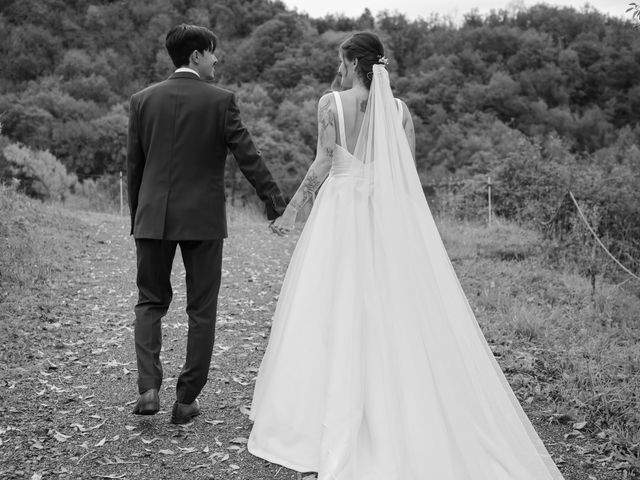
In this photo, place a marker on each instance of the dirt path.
(68, 384)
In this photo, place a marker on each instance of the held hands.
(285, 223)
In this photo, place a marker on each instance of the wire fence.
(598, 240)
(442, 196)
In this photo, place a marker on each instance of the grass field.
(67, 367)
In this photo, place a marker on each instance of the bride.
(376, 368)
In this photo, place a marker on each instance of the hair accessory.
(383, 60)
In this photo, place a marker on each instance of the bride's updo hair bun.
(368, 49)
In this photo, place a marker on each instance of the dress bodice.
(345, 164)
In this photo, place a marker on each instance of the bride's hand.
(285, 223)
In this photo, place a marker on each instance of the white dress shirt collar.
(187, 69)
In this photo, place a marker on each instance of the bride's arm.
(320, 167)
(407, 123)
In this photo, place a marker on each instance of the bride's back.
(354, 105)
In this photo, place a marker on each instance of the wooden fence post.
(121, 196)
(489, 198)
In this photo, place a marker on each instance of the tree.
(21, 64)
(28, 124)
(634, 8)
(366, 21)
(95, 88)
(40, 173)
(110, 149)
(270, 42)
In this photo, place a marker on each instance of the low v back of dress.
(343, 160)
(376, 368)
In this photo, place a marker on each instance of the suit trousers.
(203, 263)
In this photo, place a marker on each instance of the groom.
(179, 133)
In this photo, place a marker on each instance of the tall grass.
(37, 243)
(249, 213)
(101, 194)
(24, 248)
(569, 346)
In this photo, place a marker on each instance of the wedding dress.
(376, 368)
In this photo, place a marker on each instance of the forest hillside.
(542, 100)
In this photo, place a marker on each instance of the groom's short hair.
(183, 39)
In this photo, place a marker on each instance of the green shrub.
(530, 185)
(101, 194)
(40, 174)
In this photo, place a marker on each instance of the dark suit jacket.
(180, 131)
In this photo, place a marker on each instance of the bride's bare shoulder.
(327, 105)
(327, 99)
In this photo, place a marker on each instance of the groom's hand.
(274, 229)
(284, 224)
(276, 206)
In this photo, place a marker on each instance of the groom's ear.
(194, 58)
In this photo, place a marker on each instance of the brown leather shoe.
(184, 412)
(148, 403)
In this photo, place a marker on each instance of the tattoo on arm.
(363, 106)
(326, 128)
(310, 186)
(321, 165)
(307, 190)
(328, 151)
(325, 116)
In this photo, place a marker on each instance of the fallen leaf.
(240, 381)
(83, 429)
(101, 442)
(167, 452)
(61, 437)
(214, 422)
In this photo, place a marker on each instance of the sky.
(455, 9)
